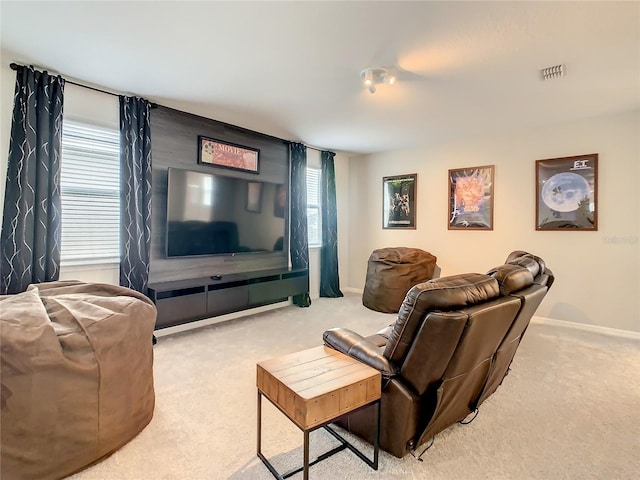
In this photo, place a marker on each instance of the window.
(314, 219)
(90, 194)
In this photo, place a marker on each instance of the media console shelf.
(185, 301)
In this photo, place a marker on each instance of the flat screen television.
(212, 214)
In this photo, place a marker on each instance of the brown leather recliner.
(448, 351)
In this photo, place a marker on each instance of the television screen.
(211, 214)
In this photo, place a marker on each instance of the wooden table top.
(318, 385)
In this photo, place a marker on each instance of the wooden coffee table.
(313, 388)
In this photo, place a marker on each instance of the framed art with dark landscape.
(471, 198)
(399, 201)
(228, 155)
(567, 193)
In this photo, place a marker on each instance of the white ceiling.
(292, 69)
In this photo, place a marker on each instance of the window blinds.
(314, 220)
(90, 194)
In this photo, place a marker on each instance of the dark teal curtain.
(299, 242)
(31, 222)
(329, 280)
(135, 192)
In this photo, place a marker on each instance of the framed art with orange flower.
(471, 198)
(567, 193)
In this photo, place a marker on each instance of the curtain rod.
(313, 148)
(14, 66)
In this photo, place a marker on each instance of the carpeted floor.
(570, 409)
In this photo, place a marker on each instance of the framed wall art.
(471, 198)
(567, 193)
(228, 155)
(254, 197)
(399, 201)
(280, 201)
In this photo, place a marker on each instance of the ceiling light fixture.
(372, 76)
(552, 72)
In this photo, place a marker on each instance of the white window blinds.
(314, 219)
(90, 194)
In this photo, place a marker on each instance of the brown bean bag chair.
(77, 376)
(391, 272)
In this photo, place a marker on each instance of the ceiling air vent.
(552, 72)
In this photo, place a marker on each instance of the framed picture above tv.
(228, 155)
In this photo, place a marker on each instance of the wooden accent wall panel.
(174, 143)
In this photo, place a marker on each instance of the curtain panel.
(31, 222)
(135, 193)
(329, 280)
(299, 242)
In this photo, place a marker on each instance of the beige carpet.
(570, 409)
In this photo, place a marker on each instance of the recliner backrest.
(536, 265)
(438, 295)
(452, 342)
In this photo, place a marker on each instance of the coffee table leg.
(376, 444)
(306, 463)
(259, 416)
(305, 474)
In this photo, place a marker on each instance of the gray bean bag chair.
(77, 376)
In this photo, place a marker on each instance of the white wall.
(7, 86)
(597, 273)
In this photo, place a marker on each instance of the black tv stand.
(184, 301)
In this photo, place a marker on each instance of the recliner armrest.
(358, 347)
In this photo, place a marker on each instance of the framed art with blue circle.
(567, 193)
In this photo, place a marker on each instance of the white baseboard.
(163, 332)
(352, 290)
(588, 328)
